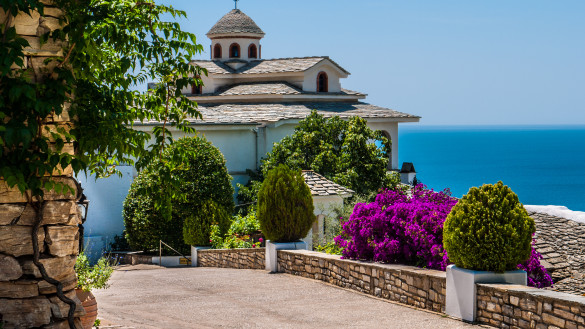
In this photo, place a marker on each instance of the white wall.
(104, 216)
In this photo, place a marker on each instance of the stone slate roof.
(235, 22)
(269, 88)
(257, 113)
(321, 186)
(262, 66)
(561, 242)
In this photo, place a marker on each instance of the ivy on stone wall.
(107, 48)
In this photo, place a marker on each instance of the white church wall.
(104, 216)
(277, 133)
(392, 129)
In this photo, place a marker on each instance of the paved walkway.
(151, 297)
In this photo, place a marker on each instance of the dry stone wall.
(404, 284)
(498, 305)
(232, 258)
(26, 300)
(513, 306)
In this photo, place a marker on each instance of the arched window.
(197, 90)
(217, 51)
(252, 51)
(389, 153)
(322, 82)
(235, 50)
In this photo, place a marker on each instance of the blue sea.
(544, 165)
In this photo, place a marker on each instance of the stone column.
(26, 300)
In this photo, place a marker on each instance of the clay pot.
(90, 305)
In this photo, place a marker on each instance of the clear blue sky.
(453, 62)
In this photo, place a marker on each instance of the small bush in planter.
(488, 230)
(197, 226)
(244, 232)
(285, 205)
(92, 277)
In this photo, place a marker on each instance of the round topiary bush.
(201, 175)
(197, 227)
(488, 230)
(285, 205)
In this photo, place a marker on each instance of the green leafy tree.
(488, 230)
(342, 151)
(110, 46)
(200, 175)
(285, 205)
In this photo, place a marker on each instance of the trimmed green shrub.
(200, 175)
(197, 226)
(488, 230)
(285, 205)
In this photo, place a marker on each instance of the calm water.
(543, 165)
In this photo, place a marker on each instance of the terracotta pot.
(90, 305)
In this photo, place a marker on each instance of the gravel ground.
(152, 297)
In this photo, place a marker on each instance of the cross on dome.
(236, 2)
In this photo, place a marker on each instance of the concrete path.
(151, 297)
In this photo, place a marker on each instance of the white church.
(248, 103)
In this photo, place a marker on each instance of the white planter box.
(461, 297)
(194, 250)
(272, 254)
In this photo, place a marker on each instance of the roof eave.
(235, 35)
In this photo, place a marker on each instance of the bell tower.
(235, 39)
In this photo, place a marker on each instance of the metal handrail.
(161, 242)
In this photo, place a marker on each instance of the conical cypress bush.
(285, 205)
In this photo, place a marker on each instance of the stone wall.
(26, 300)
(252, 258)
(404, 284)
(513, 306)
(498, 305)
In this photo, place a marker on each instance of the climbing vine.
(77, 111)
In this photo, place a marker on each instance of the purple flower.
(397, 228)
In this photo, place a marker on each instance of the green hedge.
(203, 176)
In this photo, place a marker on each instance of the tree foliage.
(285, 205)
(342, 151)
(110, 47)
(197, 226)
(200, 176)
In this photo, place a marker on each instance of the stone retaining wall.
(404, 284)
(252, 258)
(514, 306)
(498, 305)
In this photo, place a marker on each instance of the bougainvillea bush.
(398, 228)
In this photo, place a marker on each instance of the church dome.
(235, 22)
